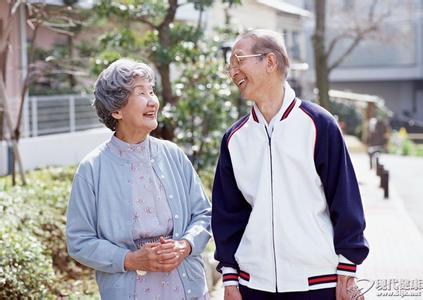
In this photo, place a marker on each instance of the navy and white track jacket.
(287, 212)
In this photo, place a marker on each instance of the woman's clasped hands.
(163, 256)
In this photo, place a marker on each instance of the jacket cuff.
(346, 267)
(229, 276)
(119, 259)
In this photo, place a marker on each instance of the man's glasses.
(239, 61)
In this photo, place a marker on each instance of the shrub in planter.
(34, 262)
(25, 272)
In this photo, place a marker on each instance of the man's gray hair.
(267, 41)
(114, 85)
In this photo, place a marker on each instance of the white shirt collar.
(289, 96)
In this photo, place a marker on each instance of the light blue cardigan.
(99, 217)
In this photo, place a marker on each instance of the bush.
(400, 144)
(349, 115)
(34, 259)
(26, 269)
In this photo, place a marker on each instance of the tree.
(207, 106)
(164, 42)
(354, 27)
(60, 19)
(13, 7)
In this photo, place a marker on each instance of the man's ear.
(271, 62)
(117, 115)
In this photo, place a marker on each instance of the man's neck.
(271, 103)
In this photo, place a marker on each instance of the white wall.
(56, 149)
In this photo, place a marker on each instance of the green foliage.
(181, 49)
(400, 144)
(348, 115)
(33, 258)
(25, 269)
(203, 101)
(48, 75)
(205, 107)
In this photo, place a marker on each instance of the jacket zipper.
(273, 218)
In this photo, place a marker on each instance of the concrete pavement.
(394, 267)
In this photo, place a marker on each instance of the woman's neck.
(131, 138)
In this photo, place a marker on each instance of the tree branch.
(147, 22)
(8, 24)
(335, 40)
(360, 35)
(170, 15)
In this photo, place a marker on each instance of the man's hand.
(232, 293)
(346, 289)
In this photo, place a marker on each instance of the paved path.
(396, 245)
(406, 176)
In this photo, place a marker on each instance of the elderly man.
(287, 215)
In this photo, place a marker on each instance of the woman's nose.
(153, 101)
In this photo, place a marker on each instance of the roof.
(354, 96)
(286, 7)
(80, 3)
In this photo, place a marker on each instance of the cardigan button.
(176, 217)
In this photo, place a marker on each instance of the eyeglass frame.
(229, 66)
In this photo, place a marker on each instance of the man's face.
(247, 69)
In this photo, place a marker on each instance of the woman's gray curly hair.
(114, 85)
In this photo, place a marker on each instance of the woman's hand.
(173, 252)
(148, 259)
(158, 257)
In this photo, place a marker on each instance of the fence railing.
(45, 115)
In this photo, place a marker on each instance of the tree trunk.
(9, 123)
(164, 71)
(71, 77)
(320, 55)
(166, 131)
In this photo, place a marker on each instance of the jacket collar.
(287, 106)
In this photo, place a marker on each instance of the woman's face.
(139, 115)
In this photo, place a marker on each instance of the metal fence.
(45, 115)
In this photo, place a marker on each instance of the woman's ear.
(117, 115)
(271, 62)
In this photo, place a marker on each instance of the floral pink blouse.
(151, 218)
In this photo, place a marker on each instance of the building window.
(295, 47)
(285, 37)
(348, 5)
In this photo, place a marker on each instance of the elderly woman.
(137, 212)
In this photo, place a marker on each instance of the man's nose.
(233, 71)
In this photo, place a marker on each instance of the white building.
(389, 63)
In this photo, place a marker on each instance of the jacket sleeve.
(333, 164)
(198, 230)
(82, 240)
(230, 214)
